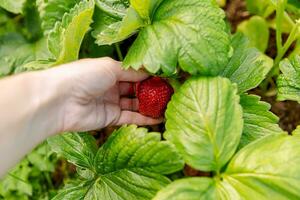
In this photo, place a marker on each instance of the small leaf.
(267, 168)
(14, 6)
(260, 7)
(79, 148)
(114, 8)
(258, 39)
(119, 30)
(191, 34)
(204, 121)
(52, 11)
(258, 120)
(247, 67)
(65, 39)
(288, 82)
(296, 131)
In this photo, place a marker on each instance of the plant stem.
(292, 37)
(48, 179)
(119, 52)
(279, 19)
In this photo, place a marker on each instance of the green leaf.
(41, 158)
(17, 179)
(32, 20)
(143, 150)
(114, 8)
(260, 7)
(191, 34)
(76, 190)
(204, 121)
(52, 11)
(146, 9)
(78, 148)
(258, 120)
(258, 39)
(65, 39)
(288, 82)
(267, 168)
(296, 131)
(247, 67)
(189, 189)
(15, 51)
(107, 34)
(14, 6)
(131, 165)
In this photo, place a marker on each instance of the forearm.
(29, 114)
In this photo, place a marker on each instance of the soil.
(287, 111)
(236, 12)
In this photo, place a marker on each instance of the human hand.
(92, 95)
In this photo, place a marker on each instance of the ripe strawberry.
(153, 94)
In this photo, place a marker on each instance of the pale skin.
(85, 95)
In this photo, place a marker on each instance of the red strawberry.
(153, 94)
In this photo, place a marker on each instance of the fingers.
(129, 117)
(129, 104)
(126, 89)
(128, 75)
(131, 75)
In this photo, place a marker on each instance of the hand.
(94, 93)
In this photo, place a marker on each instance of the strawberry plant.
(204, 83)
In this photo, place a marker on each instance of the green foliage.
(30, 179)
(132, 164)
(258, 39)
(253, 173)
(52, 11)
(288, 82)
(205, 114)
(15, 6)
(247, 67)
(258, 120)
(191, 34)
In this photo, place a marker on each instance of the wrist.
(48, 95)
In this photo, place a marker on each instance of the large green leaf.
(78, 148)
(130, 165)
(258, 39)
(289, 82)
(266, 169)
(258, 120)
(247, 67)
(143, 150)
(52, 11)
(204, 121)
(191, 34)
(14, 6)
